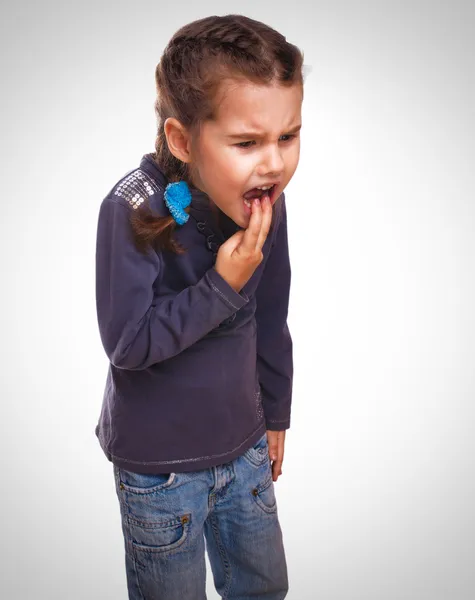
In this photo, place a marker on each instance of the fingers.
(259, 225)
(276, 469)
(251, 234)
(266, 209)
(276, 452)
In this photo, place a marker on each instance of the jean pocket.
(258, 454)
(264, 495)
(158, 537)
(154, 514)
(144, 483)
(149, 500)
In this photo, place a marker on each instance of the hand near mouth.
(241, 254)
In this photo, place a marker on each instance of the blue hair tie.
(177, 198)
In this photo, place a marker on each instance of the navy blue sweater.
(197, 371)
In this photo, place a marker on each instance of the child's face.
(224, 170)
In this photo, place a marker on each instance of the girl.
(193, 278)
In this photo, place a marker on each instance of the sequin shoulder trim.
(135, 187)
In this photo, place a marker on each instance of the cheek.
(293, 160)
(229, 167)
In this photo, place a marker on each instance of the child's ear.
(178, 139)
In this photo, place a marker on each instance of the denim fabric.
(230, 510)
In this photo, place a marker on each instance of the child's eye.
(243, 144)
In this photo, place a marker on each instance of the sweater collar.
(199, 199)
(201, 204)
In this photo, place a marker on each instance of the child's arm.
(274, 343)
(135, 332)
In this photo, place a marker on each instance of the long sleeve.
(136, 329)
(274, 342)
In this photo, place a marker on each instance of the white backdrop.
(376, 500)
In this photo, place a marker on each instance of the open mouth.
(259, 193)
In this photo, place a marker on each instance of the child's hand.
(241, 254)
(275, 441)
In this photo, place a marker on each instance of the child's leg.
(162, 523)
(243, 535)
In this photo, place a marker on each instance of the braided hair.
(195, 62)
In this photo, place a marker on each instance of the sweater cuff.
(225, 291)
(278, 425)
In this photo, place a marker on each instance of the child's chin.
(242, 220)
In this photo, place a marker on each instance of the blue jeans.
(168, 520)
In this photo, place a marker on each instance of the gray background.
(376, 499)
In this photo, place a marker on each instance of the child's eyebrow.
(254, 134)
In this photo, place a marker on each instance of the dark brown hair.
(199, 57)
